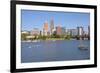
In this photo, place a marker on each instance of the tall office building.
(58, 30)
(51, 26)
(80, 31)
(45, 29)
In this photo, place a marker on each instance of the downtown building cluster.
(50, 29)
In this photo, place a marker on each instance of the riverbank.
(48, 39)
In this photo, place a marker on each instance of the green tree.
(68, 37)
(44, 37)
(23, 36)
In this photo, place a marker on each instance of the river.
(59, 50)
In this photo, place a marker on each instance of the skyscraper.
(51, 26)
(45, 29)
(80, 31)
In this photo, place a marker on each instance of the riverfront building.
(68, 32)
(45, 29)
(58, 30)
(80, 31)
(88, 30)
(63, 31)
(73, 32)
(25, 32)
(51, 26)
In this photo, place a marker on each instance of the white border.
(20, 65)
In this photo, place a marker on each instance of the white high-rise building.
(80, 31)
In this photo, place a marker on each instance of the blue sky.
(31, 19)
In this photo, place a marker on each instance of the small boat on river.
(82, 47)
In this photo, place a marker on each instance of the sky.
(31, 19)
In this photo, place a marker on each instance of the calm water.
(60, 50)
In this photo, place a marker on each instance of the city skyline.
(35, 19)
